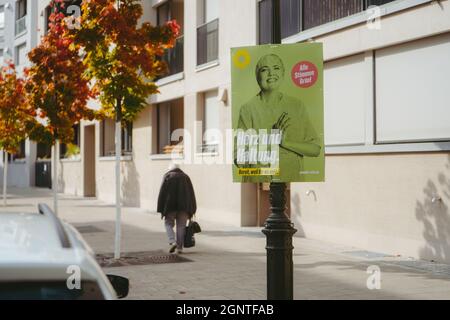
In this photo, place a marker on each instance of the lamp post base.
(279, 231)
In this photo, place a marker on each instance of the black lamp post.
(278, 227)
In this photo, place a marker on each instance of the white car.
(43, 257)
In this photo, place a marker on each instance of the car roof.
(40, 247)
(37, 245)
(27, 232)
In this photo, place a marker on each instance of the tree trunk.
(55, 177)
(118, 141)
(5, 176)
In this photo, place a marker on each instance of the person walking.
(177, 204)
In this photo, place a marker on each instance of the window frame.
(204, 23)
(157, 148)
(127, 140)
(202, 146)
(176, 66)
(21, 9)
(21, 156)
(42, 147)
(2, 13)
(17, 54)
(76, 141)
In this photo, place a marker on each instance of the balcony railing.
(208, 42)
(175, 58)
(21, 25)
(211, 147)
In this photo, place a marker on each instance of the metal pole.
(5, 176)
(118, 147)
(118, 208)
(278, 227)
(55, 177)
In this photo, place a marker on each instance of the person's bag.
(189, 237)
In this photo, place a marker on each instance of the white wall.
(412, 91)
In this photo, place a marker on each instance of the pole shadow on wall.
(60, 178)
(297, 215)
(433, 212)
(131, 191)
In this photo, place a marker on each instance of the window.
(290, 12)
(163, 13)
(20, 153)
(208, 33)
(49, 290)
(300, 15)
(21, 9)
(265, 22)
(21, 12)
(290, 23)
(2, 17)
(48, 13)
(377, 2)
(68, 3)
(127, 138)
(44, 151)
(168, 117)
(21, 54)
(173, 10)
(316, 12)
(107, 138)
(73, 149)
(211, 122)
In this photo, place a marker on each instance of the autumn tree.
(57, 84)
(16, 116)
(124, 58)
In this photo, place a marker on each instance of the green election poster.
(277, 108)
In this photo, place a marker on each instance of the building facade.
(18, 35)
(387, 128)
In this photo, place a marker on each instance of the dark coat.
(177, 194)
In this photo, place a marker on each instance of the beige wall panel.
(381, 203)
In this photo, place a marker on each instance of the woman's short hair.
(261, 60)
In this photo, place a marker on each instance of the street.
(230, 263)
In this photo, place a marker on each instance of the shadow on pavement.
(219, 271)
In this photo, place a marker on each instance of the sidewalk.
(230, 263)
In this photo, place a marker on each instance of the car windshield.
(49, 290)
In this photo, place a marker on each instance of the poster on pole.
(277, 109)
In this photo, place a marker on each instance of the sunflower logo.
(241, 59)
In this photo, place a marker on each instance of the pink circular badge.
(304, 74)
